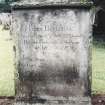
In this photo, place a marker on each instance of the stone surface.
(53, 53)
(71, 101)
(52, 2)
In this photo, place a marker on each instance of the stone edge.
(16, 6)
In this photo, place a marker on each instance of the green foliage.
(5, 5)
(83, 1)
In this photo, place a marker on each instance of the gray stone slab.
(53, 53)
(38, 3)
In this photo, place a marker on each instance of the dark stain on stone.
(32, 76)
(14, 49)
(40, 18)
(36, 80)
(71, 74)
(58, 12)
(40, 76)
(60, 102)
(37, 100)
(88, 82)
(43, 12)
(32, 100)
(26, 16)
(23, 75)
(54, 12)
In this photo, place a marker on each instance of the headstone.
(53, 52)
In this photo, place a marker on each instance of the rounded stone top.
(42, 3)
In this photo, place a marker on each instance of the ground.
(98, 100)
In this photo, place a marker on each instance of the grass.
(6, 64)
(98, 67)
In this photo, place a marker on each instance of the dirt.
(98, 99)
(6, 101)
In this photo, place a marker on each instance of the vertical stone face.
(53, 54)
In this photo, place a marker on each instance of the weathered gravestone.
(53, 52)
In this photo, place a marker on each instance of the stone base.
(71, 101)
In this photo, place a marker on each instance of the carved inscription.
(55, 37)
